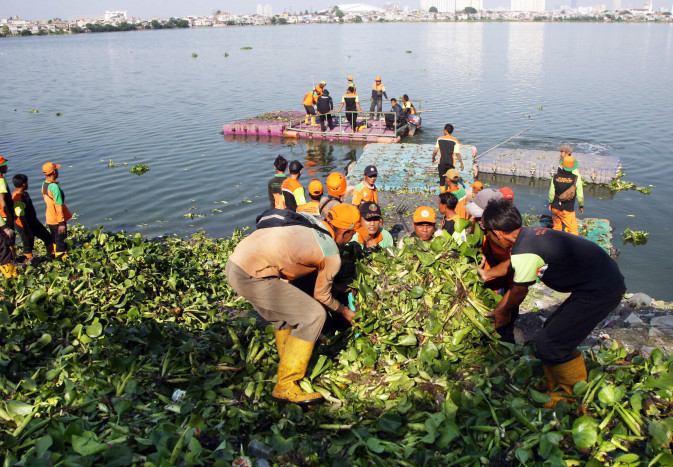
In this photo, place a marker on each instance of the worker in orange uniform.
(58, 213)
(293, 191)
(336, 191)
(451, 178)
(310, 99)
(26, 222)
(259, 270)
(366, 191)
(378, 93)
(315, 192)
(351, 84)
(449, 151)
(565, 187)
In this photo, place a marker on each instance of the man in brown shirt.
(259, 270)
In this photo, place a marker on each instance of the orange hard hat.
(350, 78)
(315, 188)
(378, 78)
(344, 216)
(336, 184)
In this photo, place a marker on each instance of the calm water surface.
(140, 97)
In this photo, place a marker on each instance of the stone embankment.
(640, 323)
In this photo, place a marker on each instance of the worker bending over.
(565, 263)
(259, 269)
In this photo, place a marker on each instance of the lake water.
(140, 98)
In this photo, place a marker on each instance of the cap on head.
(424, 214)
(344, 216)
(336, 184)
(4, 161)
(453, 175)
(295, 167)
(378, 78)
(350, 78)
(507, 193)
(49, 168)
(566, 148)
(478, 185)
(370, 171)
(323, 84)
(370, 210)
(315, 188)
(569, 163)
(476, 207)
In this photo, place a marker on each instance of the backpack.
(285, 217)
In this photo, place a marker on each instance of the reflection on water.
(538, 186)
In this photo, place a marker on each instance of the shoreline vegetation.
(59, 27)
(137, 351)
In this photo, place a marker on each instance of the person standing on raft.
(449, 150)
(378, 93)
(564, 189)
(565, 263)
(259, 269)
(310, 99)
(352, 103)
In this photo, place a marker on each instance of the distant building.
(600, 8)
(359, 8)
(476, 4)
(115, 15)
(533, 6)
(617, 5)
(443, 6)
(266, 10)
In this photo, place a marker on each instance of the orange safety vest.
(56, 213)
(312, 207)
(310, 98)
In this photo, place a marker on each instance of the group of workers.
(265, 264)
(319, 99)
(18, 215)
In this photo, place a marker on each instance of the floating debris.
(140, 169)
(194, 55)
(637, 237)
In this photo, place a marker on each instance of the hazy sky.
(47, 9)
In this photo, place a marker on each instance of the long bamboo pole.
(498, 145)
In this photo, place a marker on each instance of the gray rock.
(645, 351)
(633, 320)
(662, 321)
(639, 299)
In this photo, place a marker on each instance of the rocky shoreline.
(640, 323)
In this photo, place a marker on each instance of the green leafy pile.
(637, 237)
(136, 351)
(139, 169)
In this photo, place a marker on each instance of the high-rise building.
(443, 6)
(535, 6)
(617, 5)
(265, 10)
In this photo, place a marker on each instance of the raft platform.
(531, 163)
(407, 167)
(291, 124)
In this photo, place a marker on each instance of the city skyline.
(44, 9)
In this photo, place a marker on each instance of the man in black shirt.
(565, 263)
(275, 191)
(399, 115)
(325, 106)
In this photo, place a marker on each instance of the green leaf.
(627, 458)
(87, 446)
(585, 432)
(95, 329)
(660, 433)
(407, 340)
(609, 395)
(523, 455)
(375, 445)
(118, 456)
(429, 352)
(447, 433)
(539, 397)
(389, 422)
(14, 408)
(661, 381)
(43, 444)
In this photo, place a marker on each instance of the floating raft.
(598, 231)
(543, 164)
(406, 167)
(292, 124)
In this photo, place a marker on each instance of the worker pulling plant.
(259, 270)
(565, 263)
(310, 99)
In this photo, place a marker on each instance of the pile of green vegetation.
(137, 351)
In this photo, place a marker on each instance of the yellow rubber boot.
(8, 270)
(59, 255)
(565, 375)
(292, 368)
(281, 337)
(306, 120)
(313, 123)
